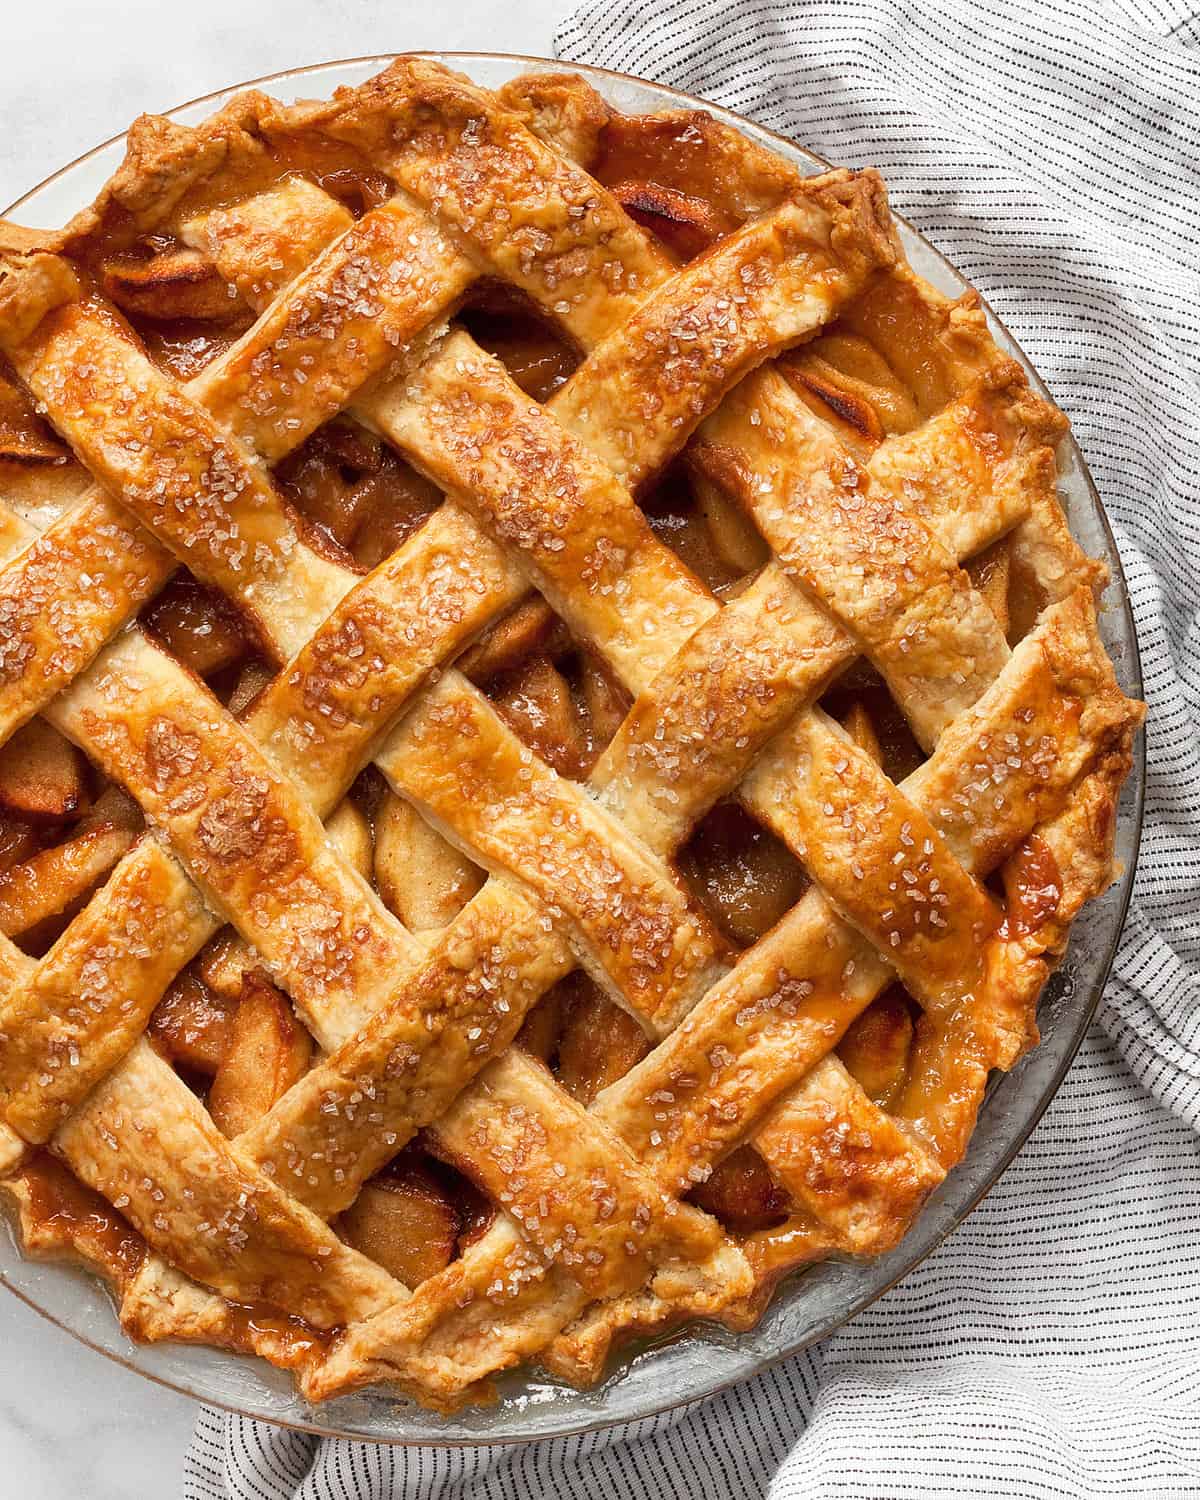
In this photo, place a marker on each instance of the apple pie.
(554, 729)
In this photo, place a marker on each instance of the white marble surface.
(72, 1424)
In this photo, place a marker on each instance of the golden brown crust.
(555, 108)
(32, 286)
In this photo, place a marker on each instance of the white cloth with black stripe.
(1051, 1347)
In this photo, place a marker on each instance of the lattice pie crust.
(555, 728)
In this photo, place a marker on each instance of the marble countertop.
(71, 1422)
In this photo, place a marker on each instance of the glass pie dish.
(812, 1303)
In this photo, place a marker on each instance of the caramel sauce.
(24, 436)
(742, 1194)
(19, 840)
(565, 704)
(476, 1212)
(198, 626)
(1033, 886)
(536, 357)
(673, 152)
(877, 1047)
(900, 751)
(674, 518)
(985, 566)
(599, 1042)
(182, 347)
(65, 1212)
(741, 873)
(289, 1342)
(772, 1252)
(191, 1024)
(535, 700)
(542, 1027)
(358, 189)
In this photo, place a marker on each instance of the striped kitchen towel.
(1051, 1347)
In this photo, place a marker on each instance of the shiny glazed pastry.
(554, 729)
